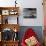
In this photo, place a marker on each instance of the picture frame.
(5, 12)
(29, 13)
(13, 12)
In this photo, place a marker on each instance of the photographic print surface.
(30, 12)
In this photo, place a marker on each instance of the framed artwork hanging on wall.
(30, 12)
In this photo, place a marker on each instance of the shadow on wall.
(37, 29)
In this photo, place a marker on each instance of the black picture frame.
(30, 13)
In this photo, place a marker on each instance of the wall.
(7, 3)
(32, 4)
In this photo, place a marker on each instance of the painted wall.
(7, 3)
(32, 4)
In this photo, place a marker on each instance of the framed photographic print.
(5, 12)
(13, 12)
(30, 12)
